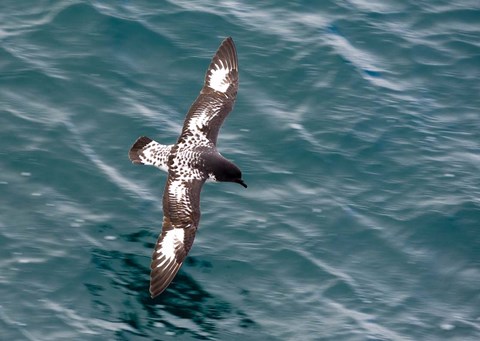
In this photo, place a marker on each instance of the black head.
(225, 171)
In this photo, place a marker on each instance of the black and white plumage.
(191, 161)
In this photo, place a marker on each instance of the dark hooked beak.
(240, 181)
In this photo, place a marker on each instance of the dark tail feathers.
(137, 149)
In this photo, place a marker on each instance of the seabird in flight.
(191, 161)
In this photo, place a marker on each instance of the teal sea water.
(357, 128)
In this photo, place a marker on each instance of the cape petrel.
(190, 162)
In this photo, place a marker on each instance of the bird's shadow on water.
(184, 308)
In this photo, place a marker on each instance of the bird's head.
(229, 172)
(225, 171)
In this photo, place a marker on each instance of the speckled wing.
(216, 98)
(181, 216)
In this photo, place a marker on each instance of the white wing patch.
(178, 190)
(218, 77)
(169, 243)
(195, 125)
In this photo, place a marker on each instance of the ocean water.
(357, 128)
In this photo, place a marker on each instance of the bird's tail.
(146, 151)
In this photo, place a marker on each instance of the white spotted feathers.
(191, 161)
(145, 151)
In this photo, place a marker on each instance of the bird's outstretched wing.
(216, 98)
(181, 215)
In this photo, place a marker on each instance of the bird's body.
(191, 161)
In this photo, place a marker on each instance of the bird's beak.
(240, 181)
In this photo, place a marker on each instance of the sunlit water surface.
(357, 128)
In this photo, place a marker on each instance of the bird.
(189, 163)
